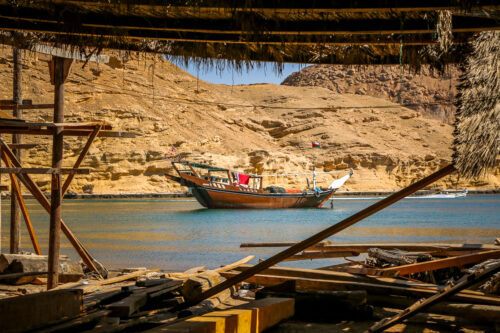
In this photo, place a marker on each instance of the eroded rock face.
(426, 92)
(254, 129)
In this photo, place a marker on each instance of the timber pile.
(392, 275)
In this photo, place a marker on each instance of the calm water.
(178, 234)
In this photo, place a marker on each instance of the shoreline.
(6, 195)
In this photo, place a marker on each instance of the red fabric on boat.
(293, 191)
(243, 179)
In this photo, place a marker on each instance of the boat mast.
(314, 174)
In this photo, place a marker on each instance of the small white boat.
(443, 195)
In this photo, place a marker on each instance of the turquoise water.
(178, 234)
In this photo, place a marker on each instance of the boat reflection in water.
(224, 188)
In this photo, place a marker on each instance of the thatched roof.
(320, 31)
(477, 127)
(235, 33)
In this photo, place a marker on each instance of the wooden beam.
(45, 171)
(322, 255)
(69, 53)
(363, 248)
(37, 310)
(15, 214)
(44, 202)
(324, 234)
(311, 285)
(67, 132)
(22, 145)
(82, 155)
(442, 263)
(465, 282)
(17, 192)
(26, 106)
(59, 71)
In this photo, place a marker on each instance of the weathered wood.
(325, 233)
(26, 106)
(67, 132)
(15, 216)
(71, 325)
(465, 282)
(196, 285)
(444, 263)
(268, 312)
(283, 244)
(322, 255)
(17, 193)
(238, 263)
(69, 53)
(325, 306)
(22, 145)
(310, 285)
(44, 202)
(478, 313)
(19, 263)
(18, 275)
(363, 248)
(45, 171)
(399, 257)
(82, 155)
(125, 307)
(30, 312)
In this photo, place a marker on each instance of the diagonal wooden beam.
(44, 202)
(466, 282)
(79, 161)
(332, 230)
(22, 205)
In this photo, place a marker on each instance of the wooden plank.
(127, 306)
(69, 53)
(443, 263)
(363, 248)
(18, 275)
(26, 107)
(43, 171)
(37, 310)
(67, 132)
(234, 265)
(465, 282)
(23, 145)
(268, 312)
(324, 234)
(283, 244)
(235, 320)
(478, 313)
(322, 255)
(73, 324)
(313, 285)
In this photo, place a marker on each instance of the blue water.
(178, 234)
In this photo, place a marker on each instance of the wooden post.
(15, 213)
(60, 67)
(332, 230)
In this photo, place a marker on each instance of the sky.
(229, 76)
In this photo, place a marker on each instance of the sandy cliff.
(264, 128)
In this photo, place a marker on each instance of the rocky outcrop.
(426, 91)
(256, 128)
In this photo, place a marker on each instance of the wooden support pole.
(60, 71)
(15, 214)
(44, 202)
(24, 210)
(45, 171)
(323, 234)
(466, 282)
(79, 161)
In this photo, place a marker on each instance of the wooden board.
(30, 312)
(313, 285)
(443, 263)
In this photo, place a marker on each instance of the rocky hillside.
(425, 92)
(256, 128)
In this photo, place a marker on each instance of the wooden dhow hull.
(217, 195)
